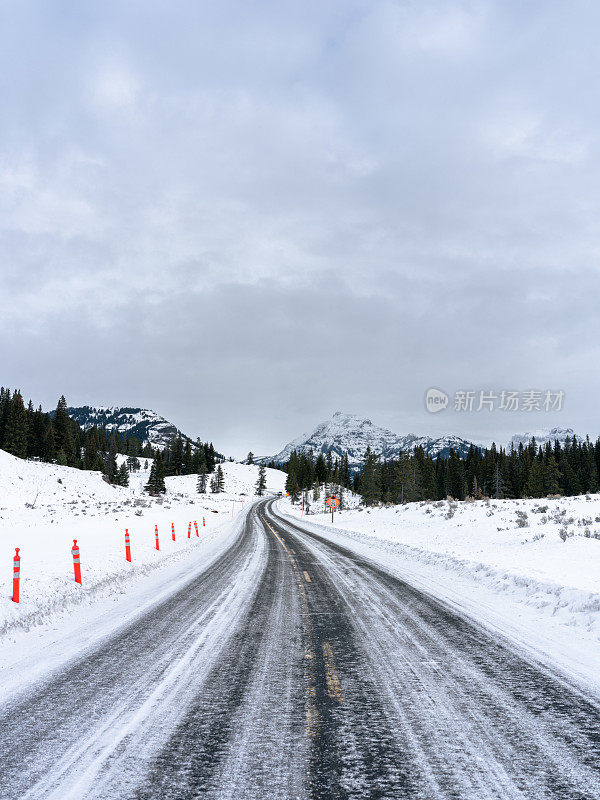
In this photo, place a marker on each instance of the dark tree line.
(307, 471)
(180, 458)
(54, 437)
(530, 471)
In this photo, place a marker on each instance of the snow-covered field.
(531, 568)
(43, 507)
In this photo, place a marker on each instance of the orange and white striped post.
(196, 527)
(189, 530)
(16, 575)
(156, 536)
(173, 531)
(127, 546)
(203, 522)
(76, 561)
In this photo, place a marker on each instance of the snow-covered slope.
(542, 437)
(347, 433)
(25, 484)
(146, 425)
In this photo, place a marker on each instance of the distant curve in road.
(292, 668)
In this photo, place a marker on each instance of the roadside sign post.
(333, 502)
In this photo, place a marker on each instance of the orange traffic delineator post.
(189, 530)
(173, 531)
(203, 522)
(127, 546)
(196, 527)
(16, 575)
(156, 536)
(76, 561)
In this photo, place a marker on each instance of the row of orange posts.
(77, 560)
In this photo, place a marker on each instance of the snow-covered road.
(293, 668)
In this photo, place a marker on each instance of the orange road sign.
(332, 501)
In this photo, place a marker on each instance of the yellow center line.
(334, 687)
(307, 577)
(312, 723)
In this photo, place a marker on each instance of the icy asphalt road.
(291, 668)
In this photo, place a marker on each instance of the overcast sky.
(248, 215)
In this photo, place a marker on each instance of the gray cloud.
(249, 215)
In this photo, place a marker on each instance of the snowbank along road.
(292, 668)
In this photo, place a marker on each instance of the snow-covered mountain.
(347, 433)
(543, 436)
(144, 424)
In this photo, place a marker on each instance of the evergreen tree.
(261, 483)
(176, 465)
(427, 489)
(371, 479)
(551, 476)
(321, 468)
(535, 481)
(156, 481)
(4, 410)
(217, 483)
(201, 484)
(292, 488)
(345, 471)
(36, 433)
(401, 479)
(110, 467)
(571, 480)
(63, 431)
(49, 445)
(16, 427)
(151, 486)
(498, 484)
(201, 465)
(209, 457)
(187, 458)
(456, 480)
(250, 458)
(123, 475)
(133, 464)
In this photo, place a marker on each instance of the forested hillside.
(28, 432)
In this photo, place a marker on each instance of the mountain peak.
(352, 434)
(143, 423)
(542, 436)
(340, 416)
